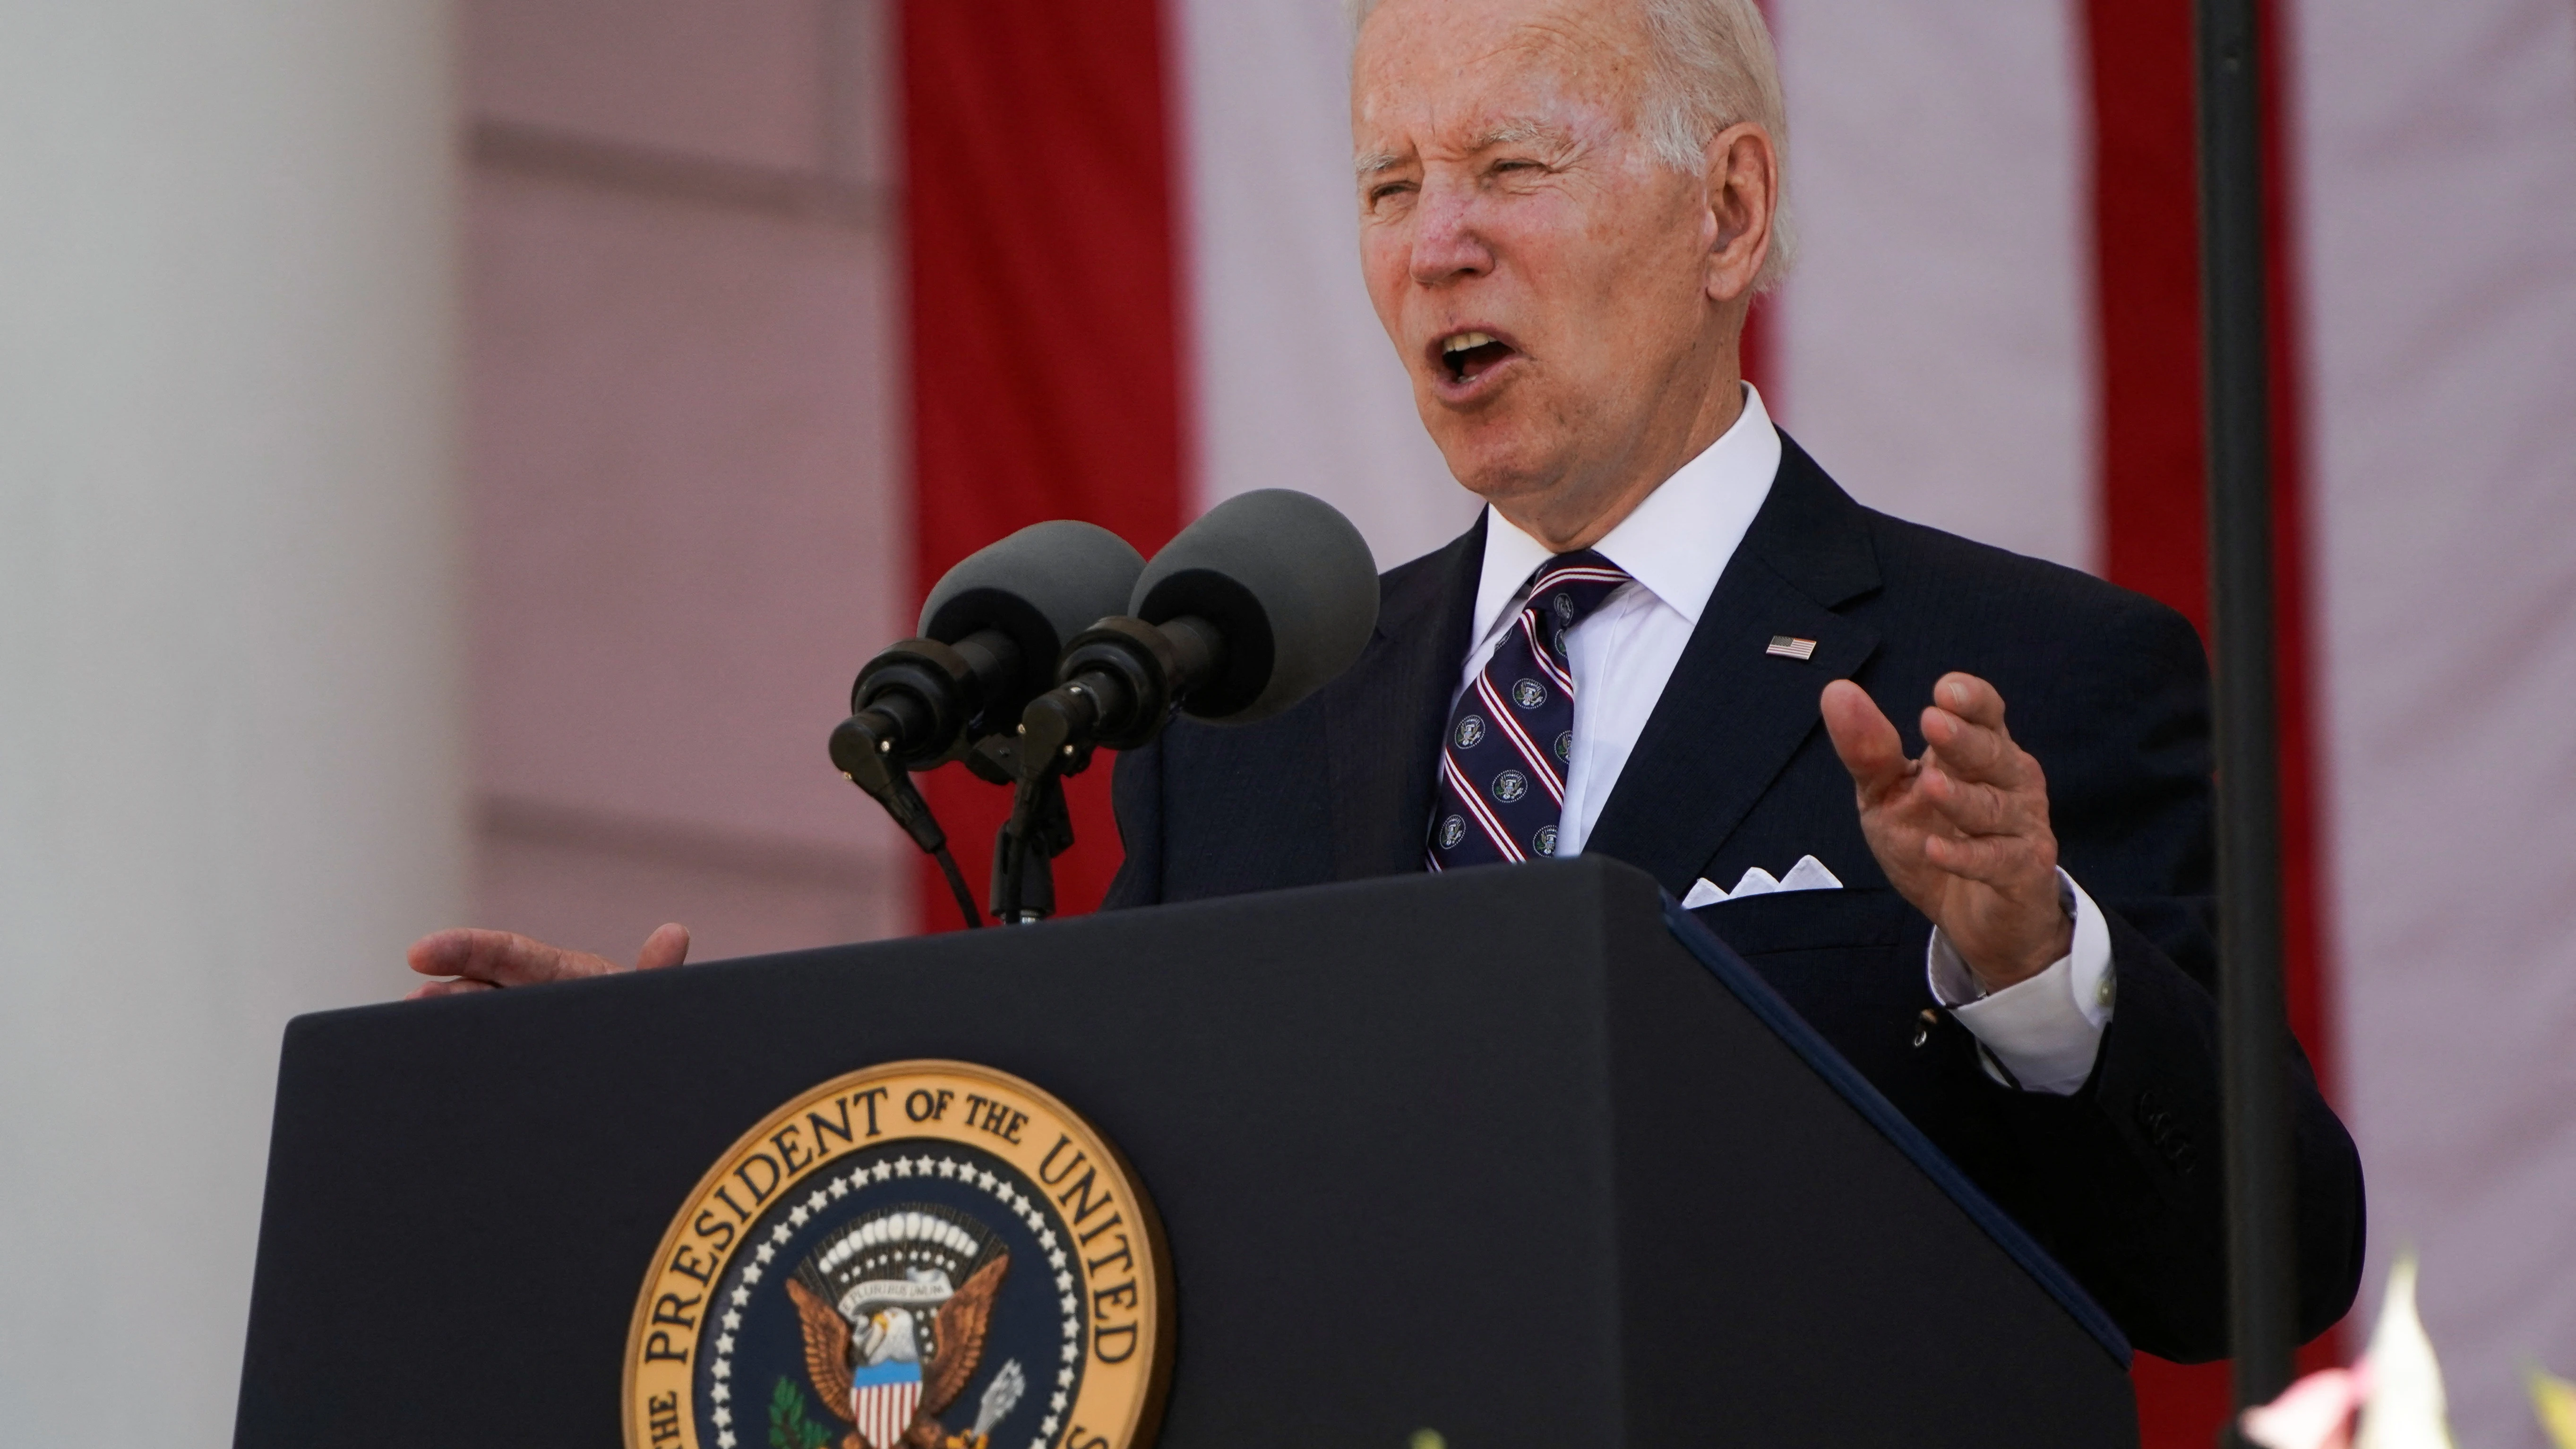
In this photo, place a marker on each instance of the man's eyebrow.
(1503, 133)
(1513, 133)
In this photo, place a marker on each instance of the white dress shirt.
(2044, 1032)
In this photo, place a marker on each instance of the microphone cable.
(893, 789)
(957, 887)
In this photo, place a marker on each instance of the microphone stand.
(1123, 679)
(1040, 827)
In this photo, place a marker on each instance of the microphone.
(1244, 613)
(991, 632)
(1247, 611)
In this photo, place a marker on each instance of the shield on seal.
(882, 1401)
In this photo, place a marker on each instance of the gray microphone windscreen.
(1041, 586)
(1286, 579)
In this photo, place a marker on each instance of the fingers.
(482, 960)
(1968, 806)
(500, 958)
(1963, 734)
(1980, 782)
(1964, 835)
(1868, 744)
(667, 946)
(2004, 862)
(429, 989)
(1971, 699)
(1987, 789)
(440, 953)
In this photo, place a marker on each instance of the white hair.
(1714, 67)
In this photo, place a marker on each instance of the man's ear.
(1743, 181)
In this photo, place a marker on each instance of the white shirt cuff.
(2047, 1030)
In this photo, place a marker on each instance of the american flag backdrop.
(1133, 291)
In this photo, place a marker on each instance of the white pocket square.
(1809, 874)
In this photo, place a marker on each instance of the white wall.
(230, 760)
(686, 493)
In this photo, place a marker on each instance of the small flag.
(1788, 648)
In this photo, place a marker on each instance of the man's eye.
(1384, 190)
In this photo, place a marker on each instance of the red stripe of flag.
(1045, 342)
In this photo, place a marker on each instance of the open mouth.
(1466, 356)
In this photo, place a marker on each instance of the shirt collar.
(1677, 541)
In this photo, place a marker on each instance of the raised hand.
(1963, 831)
(487, 960)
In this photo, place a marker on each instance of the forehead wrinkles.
(1548, 78)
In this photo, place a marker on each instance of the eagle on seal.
(834, 1346)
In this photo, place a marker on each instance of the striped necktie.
(1502, 766)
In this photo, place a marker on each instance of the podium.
(1520, 1155)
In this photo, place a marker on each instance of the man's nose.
(1447, 243)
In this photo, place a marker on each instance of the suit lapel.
(1732, 714)
(1383, 718)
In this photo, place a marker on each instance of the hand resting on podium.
(484, 960)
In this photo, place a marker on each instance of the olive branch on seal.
(788, 1426)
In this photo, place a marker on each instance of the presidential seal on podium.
(920, 1255)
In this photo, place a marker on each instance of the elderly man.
(1669, 638)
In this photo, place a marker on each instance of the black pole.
(2253, 1027)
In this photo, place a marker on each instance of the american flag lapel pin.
(1788, 648)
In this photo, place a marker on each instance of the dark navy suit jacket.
(2106, 688)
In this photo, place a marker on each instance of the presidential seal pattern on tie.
(1501, 791)
(920, 1255)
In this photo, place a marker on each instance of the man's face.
(1542, 273)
